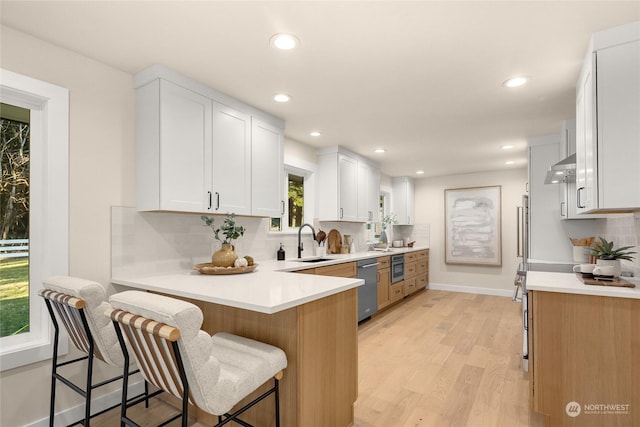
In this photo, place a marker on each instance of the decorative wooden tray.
(208, 268)
(605, 282)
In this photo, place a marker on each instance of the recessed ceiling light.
(555, 181)
(380, 150)
(281, 97)
(314, 133)
(420, 172)
(507, 147)
(515, 81)
(559, 173)
(284, 41)
(509, 162)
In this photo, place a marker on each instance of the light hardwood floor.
(438, 359)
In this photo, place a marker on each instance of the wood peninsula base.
(584, 355)
(320, 383)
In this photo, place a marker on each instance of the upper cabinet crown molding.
(158, 71)
(201, 151)
(607, 125)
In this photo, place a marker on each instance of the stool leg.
(54, 363)
(87, 405)
(277, 399)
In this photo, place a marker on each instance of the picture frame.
(473, 225)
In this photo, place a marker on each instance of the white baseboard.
(75, 413)
(471, 289)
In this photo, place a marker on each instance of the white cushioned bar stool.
(80, 305)
(213, 373)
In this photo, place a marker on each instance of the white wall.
(429, 199)
(101, 174)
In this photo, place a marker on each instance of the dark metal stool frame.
(159, 332)
(71, 310)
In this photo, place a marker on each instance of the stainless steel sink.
(314, 260)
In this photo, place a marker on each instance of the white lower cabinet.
(198, 154)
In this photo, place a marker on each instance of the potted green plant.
(607, 255)
(226, 234)
(384, 223)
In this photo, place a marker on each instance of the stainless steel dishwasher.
(367, 293)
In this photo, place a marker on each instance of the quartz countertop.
(272, 287)
(569, 283)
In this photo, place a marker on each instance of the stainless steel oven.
(397, 268)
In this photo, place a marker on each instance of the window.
(48, 241)
(14, 220)
(298, 191)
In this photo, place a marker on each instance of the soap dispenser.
(281, 253)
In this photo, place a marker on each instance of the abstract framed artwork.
(473, 226)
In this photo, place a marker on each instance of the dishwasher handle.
(368, 265)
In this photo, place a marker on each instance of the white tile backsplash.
(156, 242)
(624, 230)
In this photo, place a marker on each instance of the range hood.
(563, 171)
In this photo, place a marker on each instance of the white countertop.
(570, 284)
(272, 287)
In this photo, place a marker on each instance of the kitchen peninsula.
(312, 318)
(584, 351)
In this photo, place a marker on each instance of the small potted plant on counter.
(607, 255)
(384, 223)
(226, 256)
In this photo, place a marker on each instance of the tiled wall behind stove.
(624, 230)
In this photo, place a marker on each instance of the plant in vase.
(384, 223)
(226, 256)
(607, 255)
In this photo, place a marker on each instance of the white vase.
(615, 263)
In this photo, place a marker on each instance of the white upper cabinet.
(267, 163)
(368, 192)
(608, 123)
(403, 200)
(231, 161)
(173, 147)
(199, 150)
(347, 183)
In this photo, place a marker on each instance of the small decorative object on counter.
(226, 256)
(281, 253)
(384, 223)
(607, 256)
(581, 248)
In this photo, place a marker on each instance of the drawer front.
(410, 269)
(347, 269)
(396, 291)
(409, 286)
(384, 262)
(422, 266)
(423, 254)
(408, 257)
(422, 282)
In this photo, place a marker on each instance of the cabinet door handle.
(217, 200)
(579, 199)
(282, 210)
(341, 213)
(210, 200)
(562, 212)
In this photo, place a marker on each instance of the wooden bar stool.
(80, 306)
(213, 373)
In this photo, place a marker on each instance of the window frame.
(48, 209)
(307, 170)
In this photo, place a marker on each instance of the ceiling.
(422, 79)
